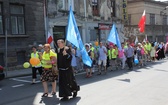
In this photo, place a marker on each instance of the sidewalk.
(17, 73)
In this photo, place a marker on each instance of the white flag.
(136, 40)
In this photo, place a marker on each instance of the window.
(111, 5)
(17, 19)
(93, 35)
(61, 4)
(71, 3)
(59, 32)
(164, 20)
(1, 20)
(152, 19)
(95, 7)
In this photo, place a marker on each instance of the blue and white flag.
(114, 38)
(73, 36)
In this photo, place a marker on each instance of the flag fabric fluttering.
(142, 21)
(136, 40)
(73, 36)
(145, 39)
(71, 33)
(114, 38)
(49, 38)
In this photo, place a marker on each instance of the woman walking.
(48, 61)
(38, 67)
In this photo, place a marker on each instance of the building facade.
(94, 18)
(156, 19)
(21, 25)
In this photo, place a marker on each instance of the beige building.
(94, 18)
(156, 19)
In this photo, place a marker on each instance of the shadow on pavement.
(57, 101)
(81, 80)
(125, 80)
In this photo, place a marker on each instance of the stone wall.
(34, 30)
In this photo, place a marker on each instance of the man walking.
(129, 54)
(67, 82)
(102, 53)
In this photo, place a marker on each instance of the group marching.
(107, 56)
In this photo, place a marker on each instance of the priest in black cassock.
(67, 82)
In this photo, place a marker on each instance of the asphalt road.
(144, 86)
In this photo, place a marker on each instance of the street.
(145, 86)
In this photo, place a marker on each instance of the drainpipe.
(85, 9)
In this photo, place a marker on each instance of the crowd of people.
(105, 57)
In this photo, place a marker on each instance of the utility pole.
(6, 45)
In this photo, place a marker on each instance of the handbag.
(54, 70)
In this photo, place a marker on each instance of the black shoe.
(75, 94)
(33, 83)
(78, 88)
(45, 95)
(53, 93)
(64, 99)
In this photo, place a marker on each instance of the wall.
(34, 27)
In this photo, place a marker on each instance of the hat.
(87, 45)
(40, 45)
(90, 44)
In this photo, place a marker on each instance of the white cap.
(87, 45)
(90, 44)
(40, 45)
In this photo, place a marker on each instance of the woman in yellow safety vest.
(113, 53)
(49, 59)
(38, 67)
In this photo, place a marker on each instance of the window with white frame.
(1, 20)
(95, 7)
(164, 19)
(61, 5)
(152, 19)
(111, 5)
(17, 19)
(71, 3)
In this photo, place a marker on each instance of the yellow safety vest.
(125, 46)
(46, 58)
(109, 54)
(112, 53)
(35, 56)
(148, 46)
(92, 53)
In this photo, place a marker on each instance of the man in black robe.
(67, 82)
